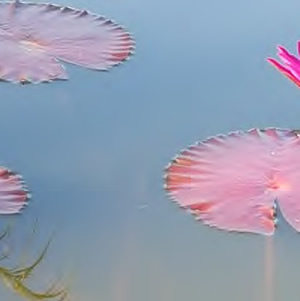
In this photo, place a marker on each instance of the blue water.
(92, 150)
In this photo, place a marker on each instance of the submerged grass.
(15, 278)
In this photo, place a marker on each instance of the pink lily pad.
(290, 66)
(234, 181)
(13, 193)
(34, 37)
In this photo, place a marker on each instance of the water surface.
(93, 149)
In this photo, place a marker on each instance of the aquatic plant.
(15, 279)
(232, 181)
(35, 36)
(290, 66)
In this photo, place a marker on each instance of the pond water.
(92, 150)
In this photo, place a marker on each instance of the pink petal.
(292, 63)
(13, 195)
(286, 57)
(231, 182)
(42, 33)
(284, 70)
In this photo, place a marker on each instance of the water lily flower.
(290, 65)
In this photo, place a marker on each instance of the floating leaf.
(232, 181)
(13, 193)
(33, 37)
